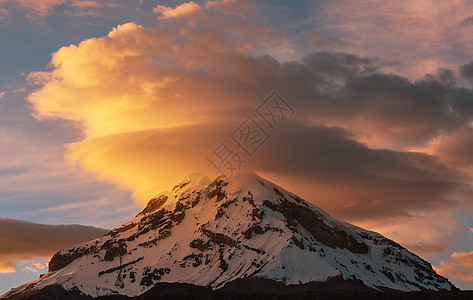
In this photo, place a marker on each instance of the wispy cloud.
(20, 90)
(34, 176)
(421, 35)
(37, 10)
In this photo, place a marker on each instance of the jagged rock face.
(245, 228)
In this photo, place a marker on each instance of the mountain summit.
(232, 234)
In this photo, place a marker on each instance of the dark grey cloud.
(338, 65)
(377, 183)
(466, 71)
(349, 91)
(467, 22)
(25, 241)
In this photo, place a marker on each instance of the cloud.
(3, 13)
(37, 10)
(426, 248)
(466, 71)
(463, 259)
(20, 90)
(40, 8)
(152, 103)
(174, 152)
(420, 35)
(455, 147)
(39, 266)
(397, 181)
(447, 269)
(460, 266)
(185, 9)
(7, 266)
(321, 41)
(34, 176)
(22, 241)
(35, 268)
(410, 113)
(86, 4)
(467, 22)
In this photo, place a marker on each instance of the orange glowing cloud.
(463, 259)
(446, 269)
(460, 266)
(184, 9)
(7, 267)
(148, 161)
(86, 4)
(131, 90)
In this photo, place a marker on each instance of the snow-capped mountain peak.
(213, 233)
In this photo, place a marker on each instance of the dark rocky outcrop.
(62, 259)
(154, 204)
(216, 189)
(332, 237)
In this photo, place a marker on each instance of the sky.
(105, 104)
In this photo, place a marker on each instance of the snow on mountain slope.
(245, 228)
